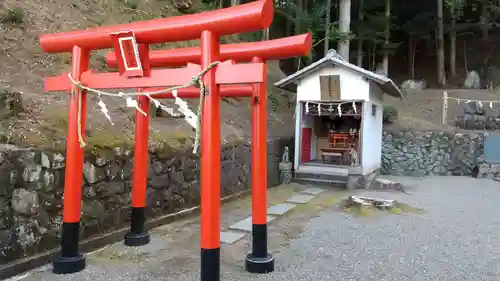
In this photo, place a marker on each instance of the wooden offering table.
(333, 152)
(339, 145)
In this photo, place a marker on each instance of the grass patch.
(362, 211)
(317, 204)
(50, 133)
(405, 208)
(396, 211)
(368, 211)
(104, 140)
(170, 144)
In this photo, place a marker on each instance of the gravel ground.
(455, 238)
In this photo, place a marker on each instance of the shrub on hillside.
(132, 4)
(390, 114)
(14, 16)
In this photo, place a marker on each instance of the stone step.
(320, 177)
(320, 182)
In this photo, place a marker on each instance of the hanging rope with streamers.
(480, 103)
(130, 102)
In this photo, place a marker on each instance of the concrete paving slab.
(300, 199)
(246, 224)
(313, 191)
(230, 237)
(280, 209)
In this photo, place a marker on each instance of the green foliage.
(455, 7)
(14, 16)
(421, 25)
(274, 102)
(251, 36)
(306, 20)
(390, 114)
(207, 6)
(494, 13)
(374, 31)
(337, 35)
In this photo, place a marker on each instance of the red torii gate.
(262, 51)
(208, 26)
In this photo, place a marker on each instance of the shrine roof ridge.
(386, 84)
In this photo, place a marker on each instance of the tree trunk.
(484, 18)
(298, 26)
(387, 32)
(369, 57)
(235, 3)
(288, 24)
(453, 43)
(465, 57)
(265, 33)
(440, 44)
(361, 17)
(344, 26)
(298, 18)
(411, 56)
(288, 28)
(373, 62)
(327, 26)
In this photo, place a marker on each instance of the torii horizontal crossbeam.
(276, 49)
(238, 19)
(227, 73)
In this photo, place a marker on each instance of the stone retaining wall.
(31, 190)
(433, 153)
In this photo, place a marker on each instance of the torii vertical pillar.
(70, 259)
(138, 235)
(210, 163)
(259, 261)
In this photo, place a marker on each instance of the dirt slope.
(422, 110)
(43, 122)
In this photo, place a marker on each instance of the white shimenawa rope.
(330, 104)
(193, 119)
(479, 102)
